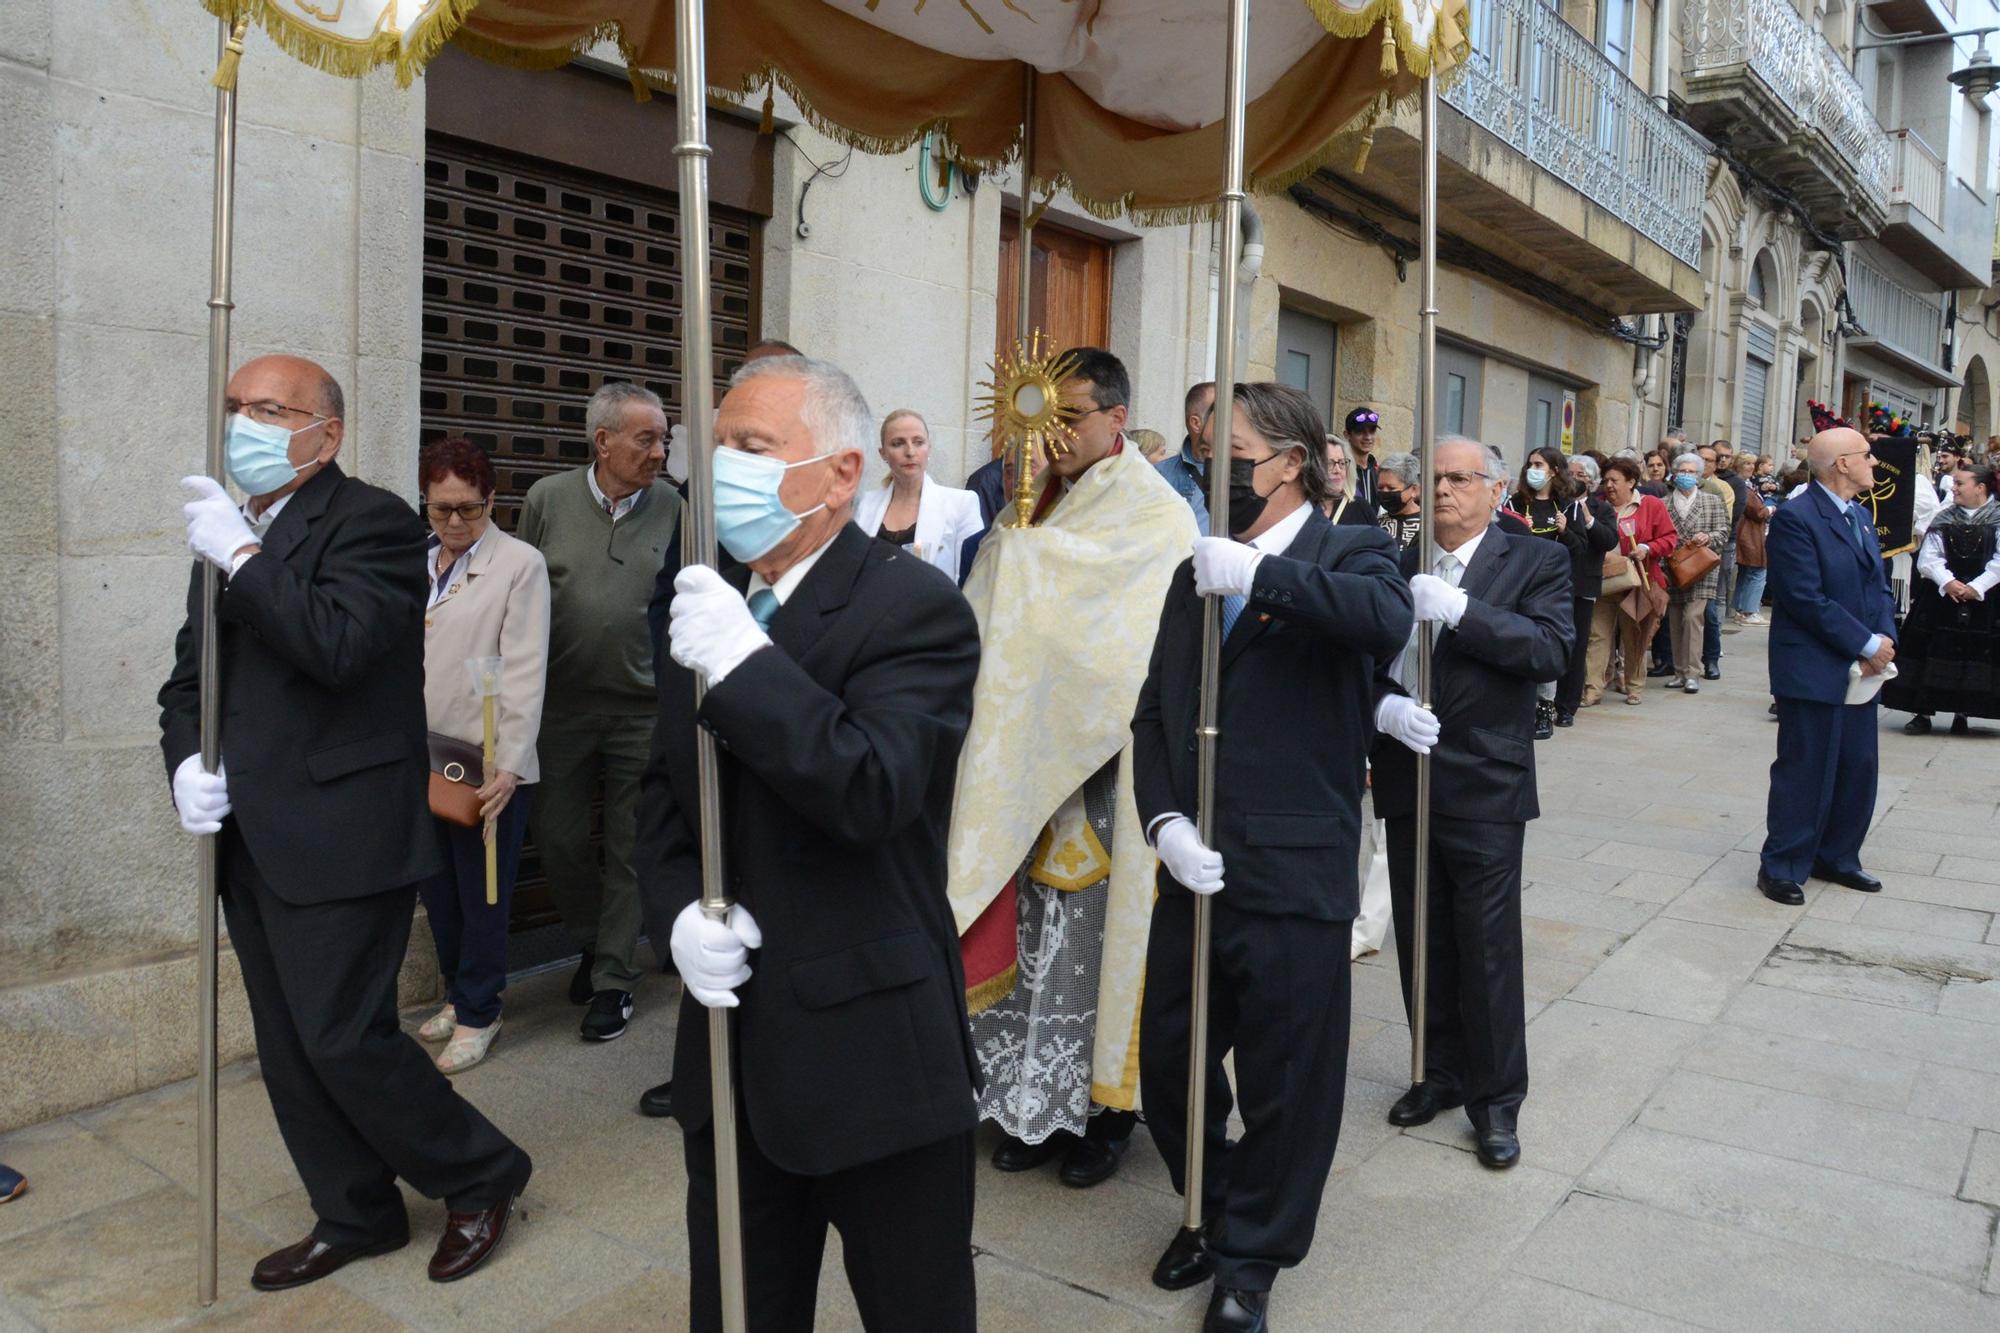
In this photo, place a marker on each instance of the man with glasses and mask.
(1501, 606)
(1051, 876)
(605, 529)
(1303, 600)
(1833, 623)
(317, 804)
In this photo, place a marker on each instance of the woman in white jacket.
(910, 510)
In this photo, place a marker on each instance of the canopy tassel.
(232, 56)
(1388, 49)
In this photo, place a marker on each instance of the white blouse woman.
(910, 510)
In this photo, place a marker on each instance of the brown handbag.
(457, 773)
(1689, 564)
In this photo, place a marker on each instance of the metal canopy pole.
(221, 253)
(1024, 250)
(697, 411)
(1420, 925)
(1207, 733)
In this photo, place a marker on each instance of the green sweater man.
(605, 530)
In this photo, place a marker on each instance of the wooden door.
(1069, 287)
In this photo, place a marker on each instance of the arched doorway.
(1975, 402)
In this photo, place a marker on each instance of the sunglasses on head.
(1366, 419)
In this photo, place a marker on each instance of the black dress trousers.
(358, 1101)
(1476, 1041)
(905, 1226)
(1279, 992)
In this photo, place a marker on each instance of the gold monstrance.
(1025, 401)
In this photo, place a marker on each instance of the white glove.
(1437, 600)
(713, 957)
(1187, 858)
(711, 628)
(1223, 565)
(201, 797)
(1400, 716)
(216, 529)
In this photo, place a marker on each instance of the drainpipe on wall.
(1645, 361)
(1247, 271)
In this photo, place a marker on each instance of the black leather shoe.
(1420, 1105)
(1917, 726)
(1015, 1155)
(1545, 722)
(1234, 1311)
(312, 1259)
(1711, 673)
(1565, 719)
(1658, 670)
(1780, 890)
(1186, 1263)
(1092, 1161)
(658, 1102)
(1960, 727)
(579, 981)
(1858, 880)
(1498, 1144)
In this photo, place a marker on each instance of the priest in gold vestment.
(1051, 878)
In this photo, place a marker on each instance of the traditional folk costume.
(1051, 877)
(1948, 655)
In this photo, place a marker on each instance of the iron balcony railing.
(1909, 321)
(1542, 88)
(1801, 69)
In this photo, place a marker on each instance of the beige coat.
(497, 606)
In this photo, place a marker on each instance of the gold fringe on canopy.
(1111, 166)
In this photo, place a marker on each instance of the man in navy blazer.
(1831, 610)
(1308, 609)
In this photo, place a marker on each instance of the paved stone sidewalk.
(1742, 1115)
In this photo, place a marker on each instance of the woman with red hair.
(489, 597)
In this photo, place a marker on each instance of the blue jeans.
(471, 936)
(1750, 588)
(1711, 616)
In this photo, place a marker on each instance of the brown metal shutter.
(541, 283)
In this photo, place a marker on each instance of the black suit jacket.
(838, 750)
(1516, 633)
(1295, 713)
(1586, 559)
(322, 657)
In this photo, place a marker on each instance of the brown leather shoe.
(468, 1239)
(312, 1259)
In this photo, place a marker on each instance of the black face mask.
(1245, 505)
(1393, 502)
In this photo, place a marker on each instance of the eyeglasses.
(267, 410)
(1340, 463)
(1865, 453)
(471, 509)
(1458, 481)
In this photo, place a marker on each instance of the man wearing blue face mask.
(319, 810)
(840, 672)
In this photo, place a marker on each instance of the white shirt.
(616, 508)
(260, 524)
(788, 582)
(1278, 538)
(1404, 670)
(1930, 563)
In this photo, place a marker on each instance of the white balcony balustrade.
(1540, 86)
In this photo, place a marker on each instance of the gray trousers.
(599, 904)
